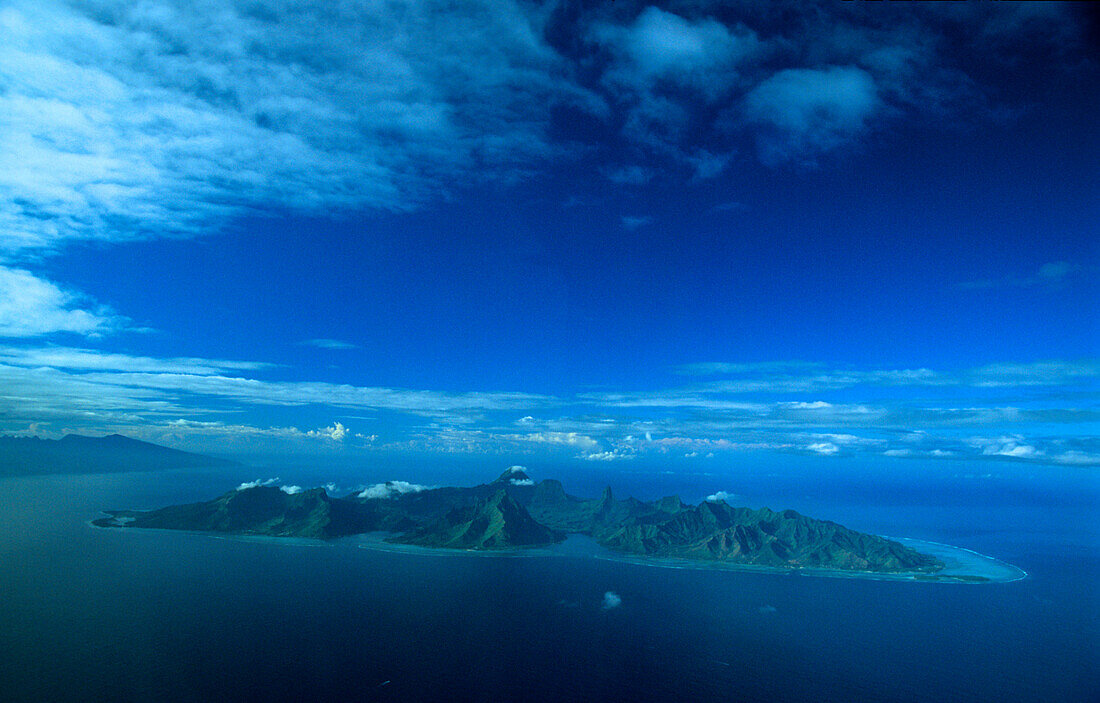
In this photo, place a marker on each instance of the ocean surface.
(110, 615)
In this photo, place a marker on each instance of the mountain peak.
(670, 504)
(516, 476)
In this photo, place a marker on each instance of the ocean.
(110, 615)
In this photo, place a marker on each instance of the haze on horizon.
(686, 231)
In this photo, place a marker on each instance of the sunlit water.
(92, 614)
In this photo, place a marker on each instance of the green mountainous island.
(515, 512)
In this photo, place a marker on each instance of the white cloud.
(613, 455)
(815, 405)
(203, 404)
(611, 600)
(1011, 448)
(93, 360)
(337, 432)
(825, 448)
(1077, 458)
(122, 120)
(389, 489)
(567, 439)
(169, 380)
(258, 482)
(290, 490)
(722, 497)
(522, 482)
(32, 307)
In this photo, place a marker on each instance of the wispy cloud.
(78, 359)
(121, 121)
(629, 175)
(32, 307)
(1049, 275)
(632, 222)
(1039, 412)
(335, 344)
(124, 121)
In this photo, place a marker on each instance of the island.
(73, 453)
(514, 512)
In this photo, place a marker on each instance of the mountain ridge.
(514, 512)
(76, 453)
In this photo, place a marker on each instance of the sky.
(583, 232)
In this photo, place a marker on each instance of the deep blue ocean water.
(102, 615)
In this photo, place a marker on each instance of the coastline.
(964, 566)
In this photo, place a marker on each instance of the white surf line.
(963, 549)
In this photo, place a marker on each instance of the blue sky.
(686, 231)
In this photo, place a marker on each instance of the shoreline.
(959, 570)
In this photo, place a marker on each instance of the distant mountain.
(514, 512)
(498, 522)
(79, 454)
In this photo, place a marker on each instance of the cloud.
(172, 379)
(78, 359)
(290, 490)
(258, 482)
(337, 432)
(824, 448)
(613, 455)
(568, 439)
(629, 175)
(1035, 412)
(123, 120)
(632, 223)
(390, 489)
(1011, 448)
(611, 600)
(32, 307)
(522, 482)
(806, 111)
(329, 344)
(720, 368)
(1050, 275)
(707, 165)
(722, 497)
(1077, 458)
(662, 47)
